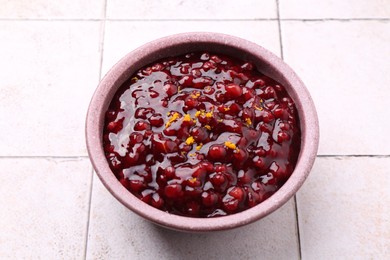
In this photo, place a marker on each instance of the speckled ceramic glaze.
(179, 44)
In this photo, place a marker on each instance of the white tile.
(187, 9)
(117, 233)
(44, 208)
(345, 65)
(49, 72)
(123, 37)
(344, 209)
(46, 9)
(309, 9)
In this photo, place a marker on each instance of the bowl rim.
(297, 90)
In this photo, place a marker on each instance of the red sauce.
(202, 135)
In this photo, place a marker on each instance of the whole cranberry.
(217, 152)
(115, 126)
(209, 198)
(170, 89)
(173, 191)
(233, 91)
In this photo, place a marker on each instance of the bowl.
(175, 45)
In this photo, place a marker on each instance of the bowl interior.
(265, 62)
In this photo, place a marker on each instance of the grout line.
(101, 47)
(353, 156)
(280, 30)
(295, 196)
(49, 20)
(334, 19)
(297, 226)
(43, 157)
(86, 156)
(89, 214)
(191, 20)
(138, 20)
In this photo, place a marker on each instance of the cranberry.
(260, 152)
(186, 81)
(208, 166)
(231, 125)
(157, 201)
(153, 94)
(133, 157)
(209, 198)
(220, 168)
(157, 67)
(283, 136)
(135, 138)
(191, 102)
(233, 91)
(258, 83)
(219, 181)
(116, 126)
(288, 102)
(243, 78)
(268, 117)
(156, 121)
(196, 73)
(199, 134)
(185, 69)
(208, 90)
(237, 193)
(111, 115)
(164, 103)
(248, 93)
(170, 89)
(280, 113)
(258, 162)
(247, 114)
(135, 185)
(170, 172)
(220, 96)
(247, 66)
(240, 157)
(147, 197)
(205, 56)
(253, 199)
(217, 152)
(246, 177)
(208, 65)
(193, 191)
(204, 135)
(284, 126)
(141, 125)
(162, 145)
(173, 191)
(234, 109)
(216, 59)
(147, 71)
(192, 208)
(115, 163)
(202, 82)
(144, 113)
(269, 92)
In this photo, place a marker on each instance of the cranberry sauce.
(201, 135)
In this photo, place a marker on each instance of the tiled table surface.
(52, 55)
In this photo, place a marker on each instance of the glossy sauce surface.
(201, 135)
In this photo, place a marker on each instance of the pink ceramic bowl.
(179, 44)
